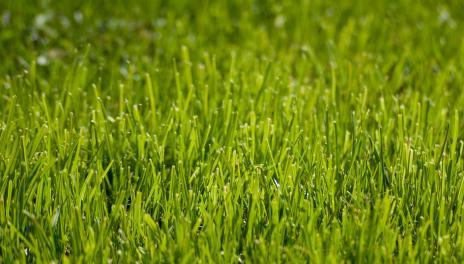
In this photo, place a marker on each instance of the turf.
(231, 131)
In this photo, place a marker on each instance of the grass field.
(231, 131)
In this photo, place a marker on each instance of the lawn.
(288, 131)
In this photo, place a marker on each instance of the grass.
(231, 131)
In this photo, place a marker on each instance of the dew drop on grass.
(276, 183)
(42, 60)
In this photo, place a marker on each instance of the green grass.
(231, 131)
